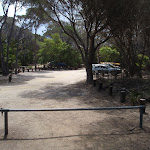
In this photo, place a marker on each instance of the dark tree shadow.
(57, 91)
(22, 78)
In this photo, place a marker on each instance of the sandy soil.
(74, 130)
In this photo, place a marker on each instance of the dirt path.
(86, 130)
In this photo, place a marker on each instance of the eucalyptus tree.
(88, 22)
(144, 23)
(129, 28)
(57, 51)
(10, 27)
(53, 28)
(37, 18)
(3, 19)
(24, 24)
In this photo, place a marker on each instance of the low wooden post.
(23, 69)
(103, 74)
(10, 77)
(94, 82)
(143, 102)
(97, 76)
(99, 86)
(110, 90)
(122, 96)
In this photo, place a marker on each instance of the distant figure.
(19, 70)
(10, 77)
(44, 67)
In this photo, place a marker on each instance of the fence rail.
(5, 111)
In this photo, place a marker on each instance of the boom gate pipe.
(5, 111)
(73, 109)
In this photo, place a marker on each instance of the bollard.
(122, 96)
(99, 86)
(28, 70)
(97, 76)
(142, 102)
(110, 90)
(94, 82)
(94, 76)
(10, 78)
(103, 74)
(32, 70)
(39, 69)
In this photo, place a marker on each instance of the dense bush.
(109, 54)
(55, 50)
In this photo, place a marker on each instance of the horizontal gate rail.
(5, 111)
(73, 109)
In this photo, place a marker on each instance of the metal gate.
(6, 111)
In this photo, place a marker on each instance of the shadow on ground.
(85, 94)
(57, 91)
(22, 78)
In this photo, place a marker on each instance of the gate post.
(142, 109)
(6, 122)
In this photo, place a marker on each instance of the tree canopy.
(89, 23)
(55, 50)
(109, 54)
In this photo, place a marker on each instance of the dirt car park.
(73, 130)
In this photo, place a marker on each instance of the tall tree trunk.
(9, 38)
(16, 63)
(89, 73)
(89, 58)
(3, 66)
(35, 51)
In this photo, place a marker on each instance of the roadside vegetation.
(78, 32)
(56, 51)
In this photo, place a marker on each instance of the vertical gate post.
(141, 116)
(6, 122)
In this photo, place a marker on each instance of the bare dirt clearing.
(80, 130)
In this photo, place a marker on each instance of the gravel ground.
(74, 130)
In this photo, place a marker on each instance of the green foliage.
(11, 61)
(135, 96)
(109, 54)
(143, 59)
(54, 28)
(55, 50)
(26, 57)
